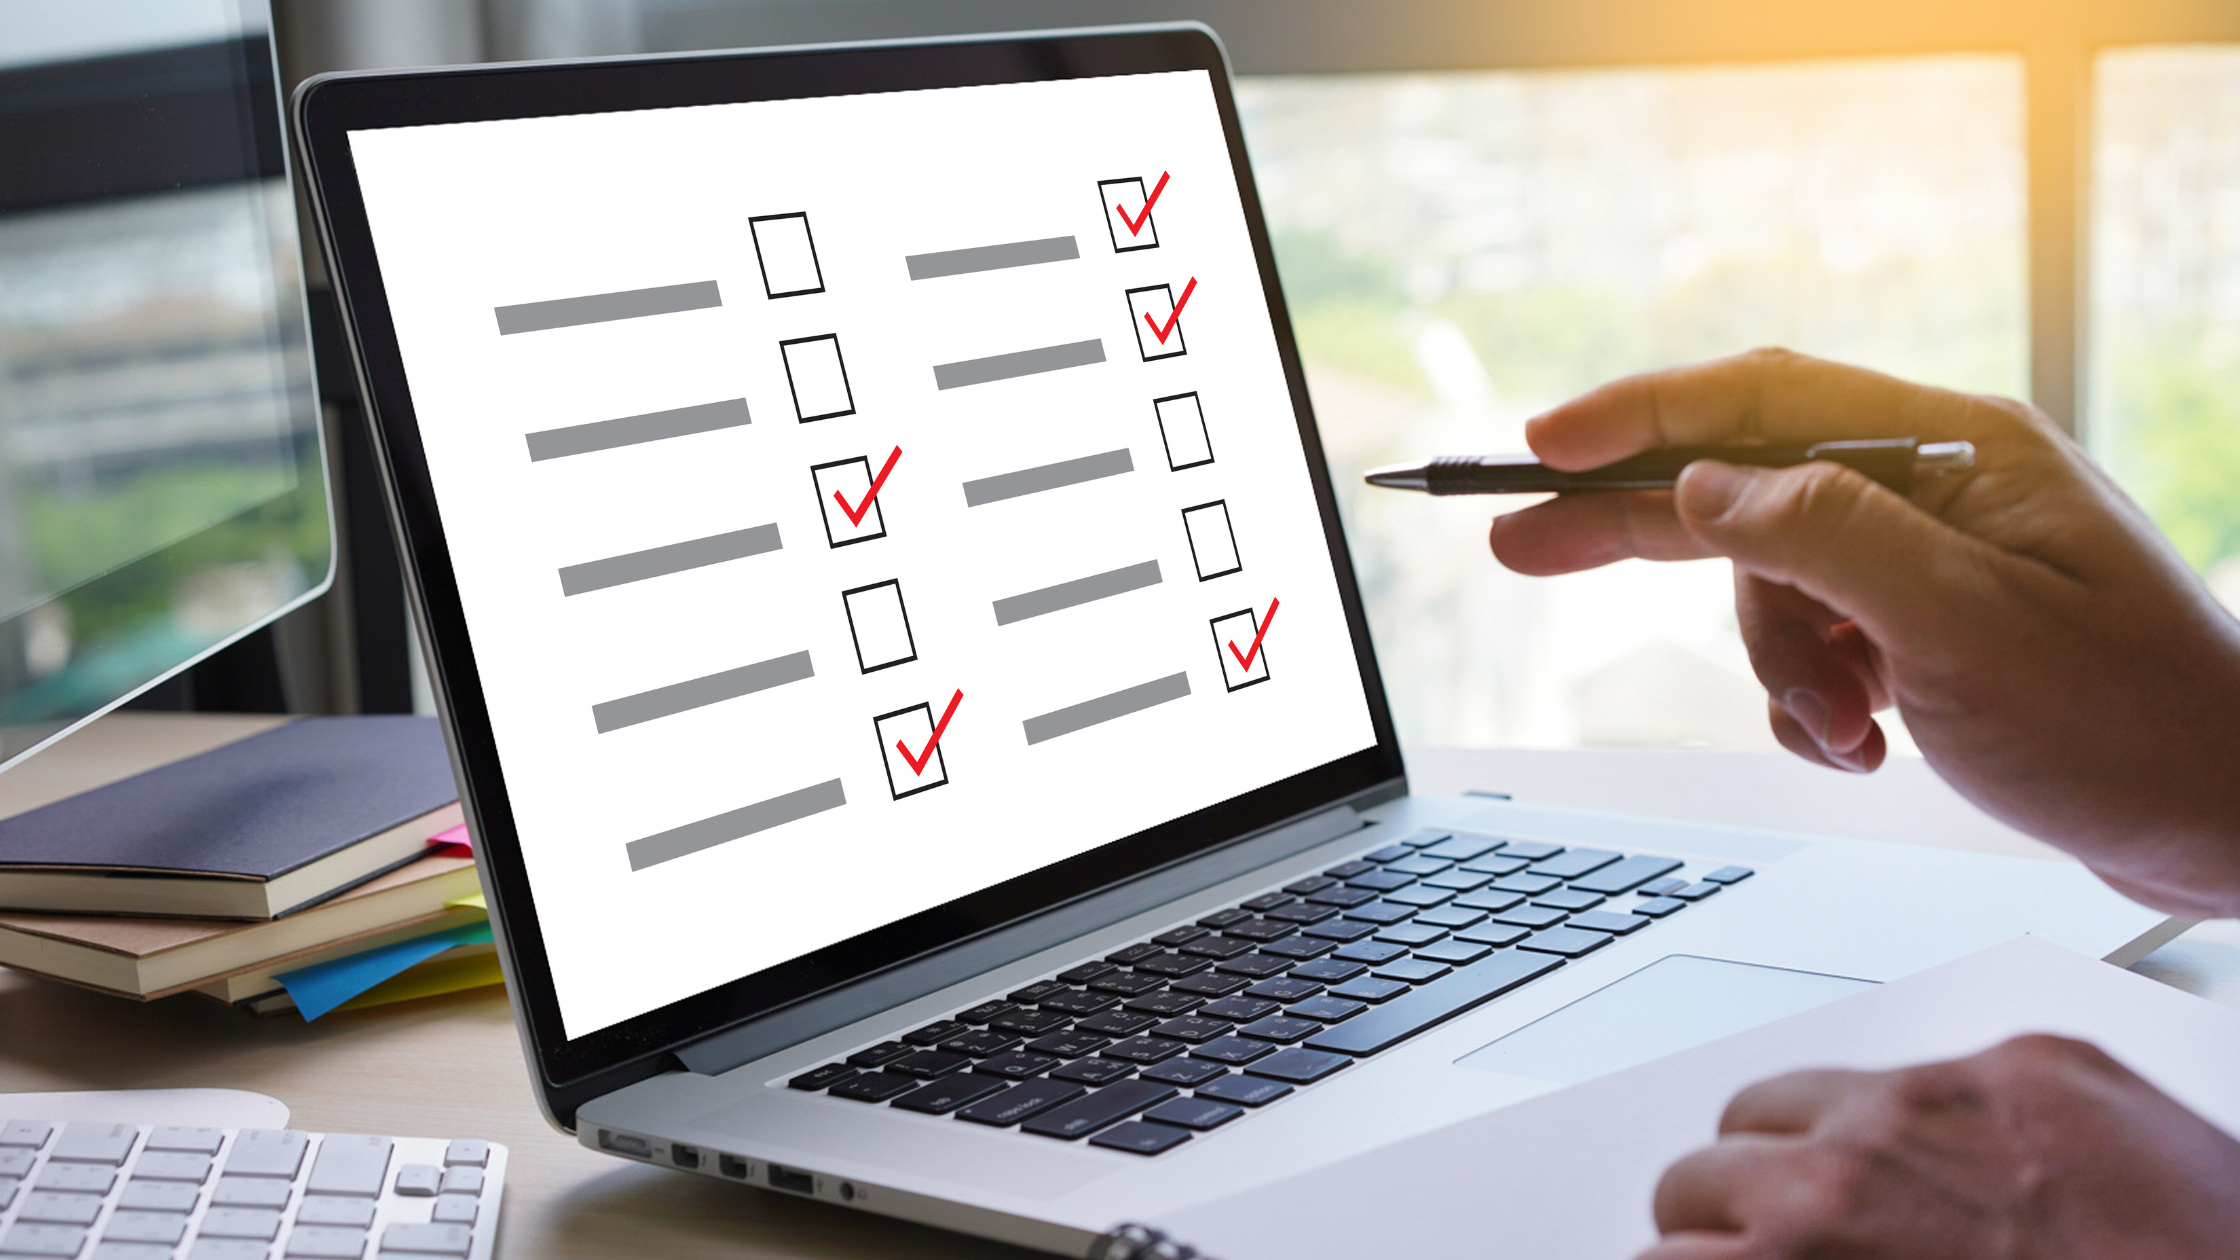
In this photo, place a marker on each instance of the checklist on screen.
(926, 508)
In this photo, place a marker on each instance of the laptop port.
(625, 1144)
(685, 1156)
(790, 1179)
(732, 1166)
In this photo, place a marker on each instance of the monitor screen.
(855, 502)
(162, 490)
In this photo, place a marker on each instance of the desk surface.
(452, 1067)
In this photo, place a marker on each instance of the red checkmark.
(918, 761)
(855, 514)
(1172, 315)
(1135, 222)
(1245, 659)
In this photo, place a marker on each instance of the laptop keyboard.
(1171, 1037)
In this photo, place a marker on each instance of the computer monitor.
(163, 486)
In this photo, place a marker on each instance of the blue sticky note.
(322, 987)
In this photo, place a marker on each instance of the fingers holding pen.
(1586, 531)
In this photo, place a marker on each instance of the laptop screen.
(855, 502)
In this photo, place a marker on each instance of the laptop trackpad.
(1666, 1007)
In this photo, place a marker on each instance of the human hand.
(2042, 1148)
(2053, 658)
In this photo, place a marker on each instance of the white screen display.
(855, 502)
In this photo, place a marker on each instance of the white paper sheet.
(205, 1108)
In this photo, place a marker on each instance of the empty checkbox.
(788, 254)
(903, 734)
(1213, 544)
(1127, 216)
(1182, 426)
(880, 626)
(818, 378)
(1236, 640)
(842, 485)
(1151, 310)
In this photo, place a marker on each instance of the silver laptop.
(884, 593)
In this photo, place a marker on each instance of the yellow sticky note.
(468, 903)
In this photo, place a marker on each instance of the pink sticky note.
(456, 836)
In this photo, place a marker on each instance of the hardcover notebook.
(252, 830)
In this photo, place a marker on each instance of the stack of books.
(320, 864)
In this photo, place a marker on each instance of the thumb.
(1911, 581)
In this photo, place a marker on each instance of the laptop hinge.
(743, 1043)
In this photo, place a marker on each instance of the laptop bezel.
(328, 108)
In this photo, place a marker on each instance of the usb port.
(789, 1179)
(685, 1156)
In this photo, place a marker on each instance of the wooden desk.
(452, 1067)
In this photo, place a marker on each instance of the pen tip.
(1398, 477)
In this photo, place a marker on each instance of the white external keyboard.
(98, 1191)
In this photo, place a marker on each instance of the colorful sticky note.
(457, 837)
(320, 988)
(474, 902)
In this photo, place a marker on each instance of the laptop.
(884, 593)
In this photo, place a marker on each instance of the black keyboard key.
(1342, 898)
(1232, 1050)
(1238, 1010)
(1528, 884)
(1132, 954)
(1165, 1005)
(1496, 864)
(1034, 993)
(1568, 899)
(1262, 930)
(1381, 912)
(1530, 850)
(1029, 1023)
(1145, 1049)
(1222, 918)
(1281, 1029)
(1619, 876)
(1080, 1002)
(1530, 916)
(1126, 983)
(1490, 900)
(1605, 921)
(1389, 853)
(1381, 881)
(1659, 907)
(874, 1087)
(1328, 970)
(1569, 942)
(1021, 1101)
(1302, 913)
(1218, 947)
(1211, 984)
(1660, 887)
(1245, 1091)
(1418, 865)
(984, 1012)
(1459, 881)
(1340, 930)
(1326, 1009)
(879, 1055)
(1462, 848)
(1413, 970)
(1454, 953)
(1299, 1066)
(1576, 862)
(980, 1043)
(1084, 1116)
(1265, 902)
(1184, 1072)
(1412, 934)
(1299, 948)
(1086, 972)
(1495, 934)
(1371, 952)
(1183, 935)
(1370, 989)
(1115, 1024)
(927, 1064)
(1070, 1045)
(1347, 870)
(945, 1096)
(1194, 1113)
(1285, 989)
(1730, 875)
(1311, 884)
(1697, 891)
(935, 1033)
(1093, 1071)
(1425, 839)
(1018, 1065)
(1192, 1029)
(1449, 917)
(1172, 965)
(1422, 897)
(820, 1078)
(1256, 966)
(1138, 1138)
(1411, 1013)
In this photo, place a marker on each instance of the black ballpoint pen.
(1895, 462)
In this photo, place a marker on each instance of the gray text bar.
(599, 308)
(959, 262)
(697, 693)
(1071, 472)
(605, 435)
(1119, 704)
(739, 823)
(1002, 367)
(598, 575)
(1079, 591)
